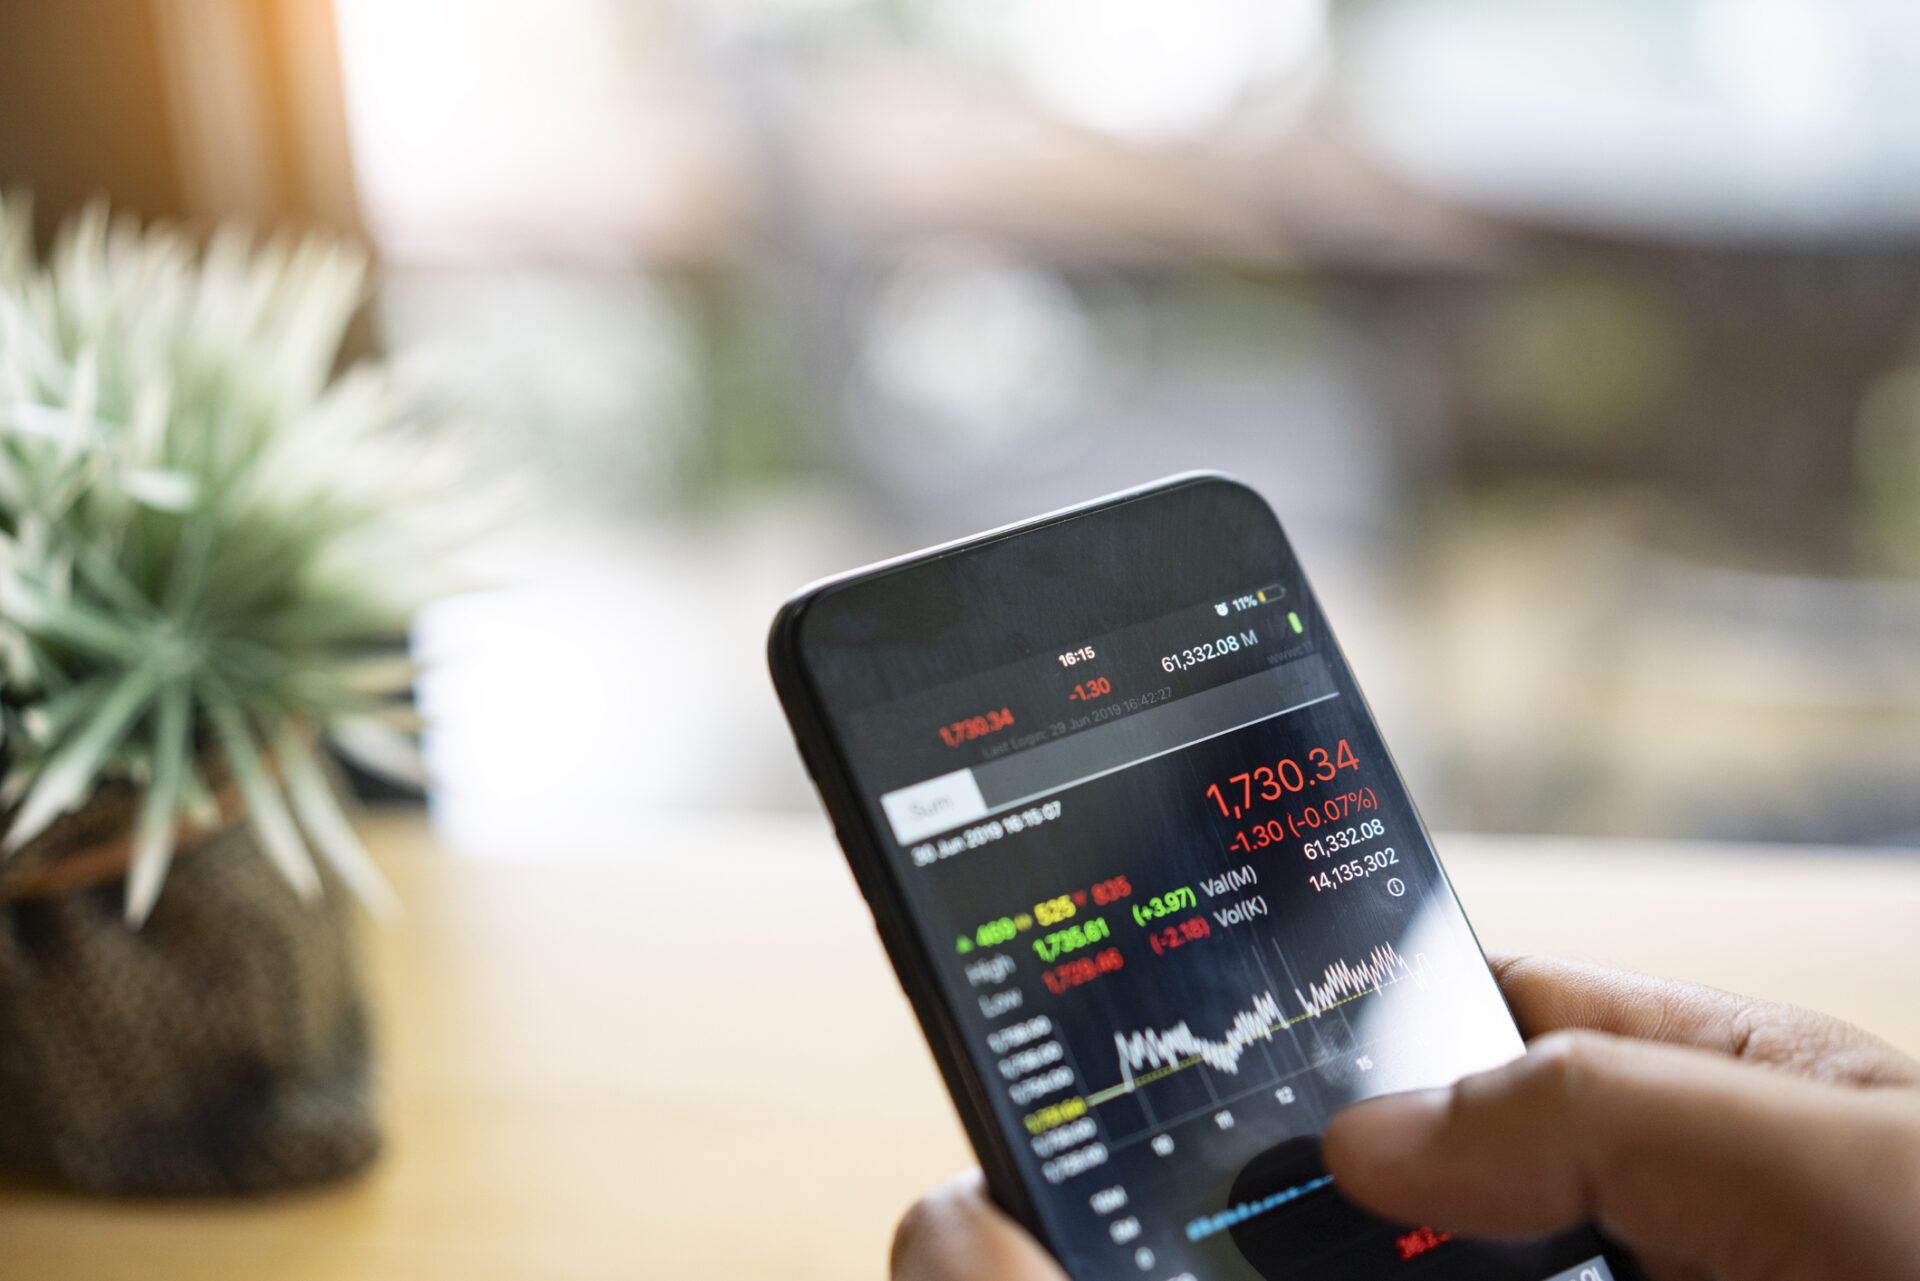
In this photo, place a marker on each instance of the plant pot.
(220, 1048)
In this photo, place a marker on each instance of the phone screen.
(1167, 884)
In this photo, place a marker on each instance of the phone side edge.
(912, 966)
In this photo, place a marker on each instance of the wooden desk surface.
(689, 1059)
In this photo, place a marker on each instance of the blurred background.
(1577, 343)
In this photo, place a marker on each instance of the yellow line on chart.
(1113, 1092)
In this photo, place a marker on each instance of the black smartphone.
(1151, 882)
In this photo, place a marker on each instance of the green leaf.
(202, 807)
(319, 811)
(56, 423)
(13, 484)
(56, 713)
(372, 674)
(114, 586)
(70, 775)
(28, 605)
(379, 749)
(160, 808)
(162, 488)
(266, 808)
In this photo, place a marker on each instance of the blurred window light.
(1143, 69)
(748, 10)
(1790, 66)
(595, 373)
(978, 346)
(486, 125)
(1708, 119)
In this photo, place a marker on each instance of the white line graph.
(1341, 981)
(1144, 1051)
(1152, 1053)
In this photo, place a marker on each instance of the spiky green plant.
(199, 538)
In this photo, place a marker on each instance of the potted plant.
(201, 545)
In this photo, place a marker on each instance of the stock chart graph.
(1147, 1055)
(1182, 965)
(1180, 926)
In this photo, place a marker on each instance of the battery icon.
(1271, 593)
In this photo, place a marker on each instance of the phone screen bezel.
(867, 847)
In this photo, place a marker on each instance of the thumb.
(1681, 1155)
(955, 1233)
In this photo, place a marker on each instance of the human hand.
(1711, 1135)
(1736, 1140)
(954, 1233)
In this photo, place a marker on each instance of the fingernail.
(1390, 1130)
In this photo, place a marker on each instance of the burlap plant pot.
(220, 1048)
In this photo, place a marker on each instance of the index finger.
(1549, 994)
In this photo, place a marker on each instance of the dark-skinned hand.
(1714, 1136)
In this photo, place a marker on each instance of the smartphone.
(1151, 882)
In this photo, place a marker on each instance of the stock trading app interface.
(1185, 911)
